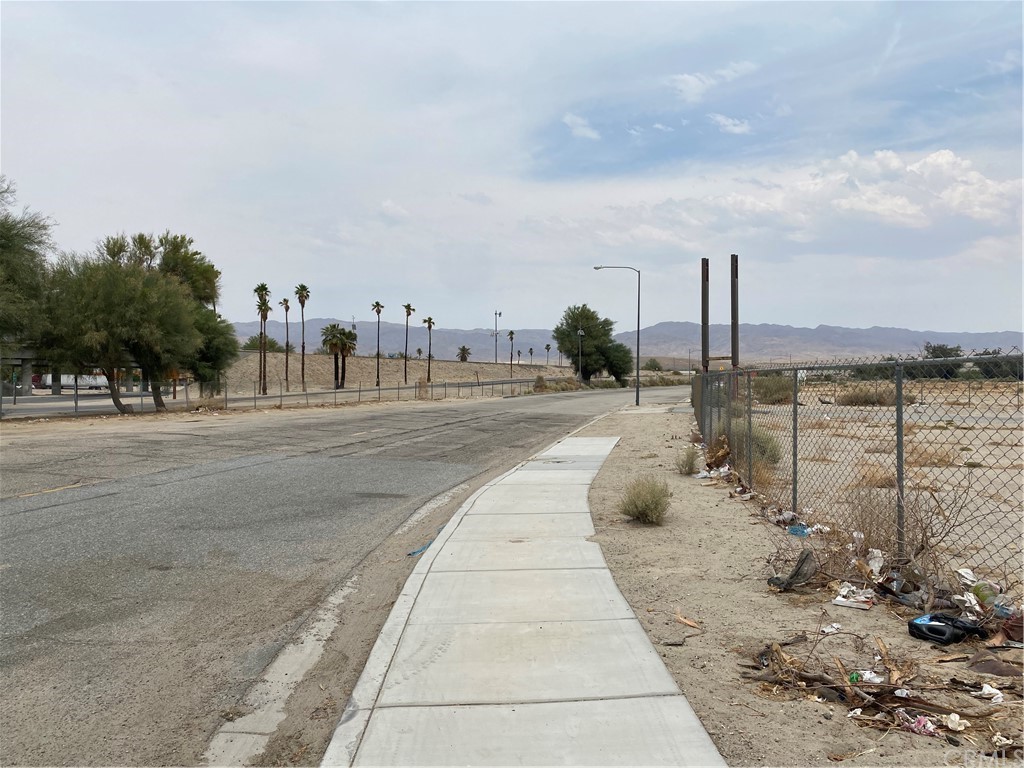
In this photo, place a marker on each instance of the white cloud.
(692, 88)
(1009, 63)
(634, 130)
(580, 127)
(896, 209)
(664, 128)
(736, 69)
(729, 124)
(393, 212)
(476, 197)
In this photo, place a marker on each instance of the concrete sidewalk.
(511, 645)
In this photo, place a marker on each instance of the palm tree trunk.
(336, 380)
(286, 387)
(343, 358)
(378, 350)
(405, 357)
(303, 348)
(430, 344)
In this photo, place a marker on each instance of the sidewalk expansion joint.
(527, 702)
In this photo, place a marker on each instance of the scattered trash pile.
(980, 705)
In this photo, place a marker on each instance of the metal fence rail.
(915, 454)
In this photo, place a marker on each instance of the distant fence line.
(921, 452)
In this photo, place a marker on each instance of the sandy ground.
(698, 584)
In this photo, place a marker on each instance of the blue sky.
(864, 159)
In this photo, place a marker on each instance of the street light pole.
(497, 314)
(602, 266)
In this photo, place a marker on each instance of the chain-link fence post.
(730, 383)
(750, 432)
(796, 420)
(901, 533)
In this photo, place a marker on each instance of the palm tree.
(302, 294)
(284, 303)
(511, 337)
(419, 352)
(347, 347)
(529, 351)
(519, 354)
(377, 307)
(463, 354)
(331, 336)
(429, 322)
(409, 309)
(264, 309)
(547, 349)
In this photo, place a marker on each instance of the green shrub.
(773, 390)
(765, 449)
(652, 364)
(873, 396)
(646, 499)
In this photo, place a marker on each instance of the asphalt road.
(151, 568)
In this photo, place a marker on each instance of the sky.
(863, 159)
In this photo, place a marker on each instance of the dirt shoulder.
(699, 586)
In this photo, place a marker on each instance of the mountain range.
(675, 343)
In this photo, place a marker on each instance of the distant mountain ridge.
(678, 340)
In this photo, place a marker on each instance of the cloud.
(729, 124)
(664, 128)
(1009, 63)
(392, 212)
(895, 209)
(580, 127)
(692, 88)
(476, 197)
(736, 69)
(634, 130)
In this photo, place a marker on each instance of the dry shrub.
(764, 477)
(539, 384)
(876, 476)
(686, 460)
(646, 499)
(422, 389)
(919, 455)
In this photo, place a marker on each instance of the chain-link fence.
(919, 456)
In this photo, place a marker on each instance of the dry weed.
(646, 499)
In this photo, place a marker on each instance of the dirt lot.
(699, 585)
